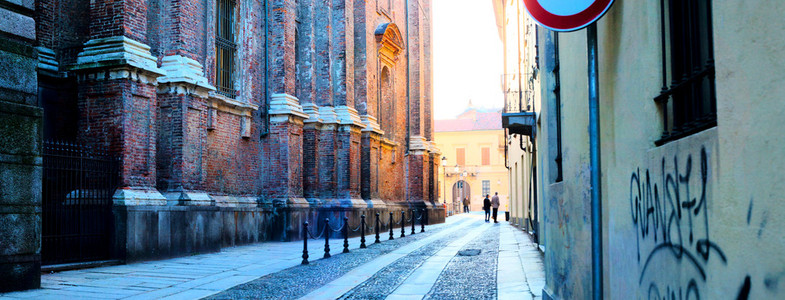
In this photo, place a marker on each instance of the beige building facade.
(691, 159)
(472, 162)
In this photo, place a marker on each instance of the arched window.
(386, 112)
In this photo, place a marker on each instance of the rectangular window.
(486, 187)
(688, 95)
(225, 48)
(460, 156)
(486, 156)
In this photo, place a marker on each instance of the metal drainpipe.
(594, 153)
(408, 109)
(408, 63)
(266, 111)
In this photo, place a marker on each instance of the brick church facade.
(236, 121)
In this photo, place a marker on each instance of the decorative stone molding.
(285, 108)
(376, 203)
(124, 57)
(433, 149)
(132, 196)
(47, 61)
(235, 201)
(183, 76)
(371, 124)
(312, 110)
(418, 144)
(328, 115)
(348, 116)
(191, 198)
(389, 42)
(233, 106)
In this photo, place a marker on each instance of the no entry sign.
(566, 15)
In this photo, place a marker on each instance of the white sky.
(467, 55)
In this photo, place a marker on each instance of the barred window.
(688, 96)
(225, 47)
(486, 187)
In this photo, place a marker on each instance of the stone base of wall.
(157, 232)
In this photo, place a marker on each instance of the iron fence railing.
(77, 189)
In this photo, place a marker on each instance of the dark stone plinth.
(20, 173)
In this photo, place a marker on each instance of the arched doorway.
(460, 190)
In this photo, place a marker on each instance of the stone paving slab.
(518, 268)
(183, 277)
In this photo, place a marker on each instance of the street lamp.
(444, 179)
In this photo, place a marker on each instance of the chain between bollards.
(362, 232)
(345, 235)
(326, 238)
(403, 223)
(391, 226)
(377, 229)
(305, 244)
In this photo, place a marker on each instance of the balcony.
(517, 117)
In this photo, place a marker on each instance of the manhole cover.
(469, 252)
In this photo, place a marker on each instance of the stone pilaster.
(348, 157)
(371, 152)
(117, 101)
(182, 131)
(283, 147)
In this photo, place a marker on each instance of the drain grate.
(469, 252)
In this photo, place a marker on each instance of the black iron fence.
(76, 209)
(327, 229)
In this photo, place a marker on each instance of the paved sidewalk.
(189, 277)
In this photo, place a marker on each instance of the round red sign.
(560, 15)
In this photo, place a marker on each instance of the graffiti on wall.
(670, 217)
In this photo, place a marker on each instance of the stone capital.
(285, 106)
(312, 110)
(371, 124)
(418, 144)
(183, 76)
(131, 59)
(348, 116)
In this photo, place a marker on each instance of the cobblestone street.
(464, 258)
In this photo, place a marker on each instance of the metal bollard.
(362, 232)
(345, 235)
(377, 230)
(391, 226)
(413, 222)
(403, 223)
(327, 238)
(422, 220)
(305, 244)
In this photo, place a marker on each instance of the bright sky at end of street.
(467, 57)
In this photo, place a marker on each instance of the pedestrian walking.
(495, 204)
(486, 206)
(466, 205)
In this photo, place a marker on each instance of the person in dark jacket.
(486, 205)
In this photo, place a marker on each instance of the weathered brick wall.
(120, 114)
(119, 18)
(233, 162)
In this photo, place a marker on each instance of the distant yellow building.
(472, 159)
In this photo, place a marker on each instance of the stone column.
(182, 131)
(20, 151)
(117, 95)
(418, 165)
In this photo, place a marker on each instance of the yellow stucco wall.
(473, 142)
